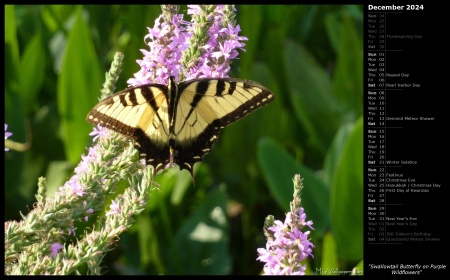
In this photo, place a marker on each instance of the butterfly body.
(178, 123)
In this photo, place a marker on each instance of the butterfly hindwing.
(179, 123)
(204, 107)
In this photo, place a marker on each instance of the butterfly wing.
(141, 113)
(205, 106)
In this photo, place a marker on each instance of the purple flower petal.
(55, 248)
(7, 134)
(115, 208)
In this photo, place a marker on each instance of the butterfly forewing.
(241, 98)
(138, 112)
(207, 105)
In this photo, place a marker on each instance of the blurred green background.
(310, 56)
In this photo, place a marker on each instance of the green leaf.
(14, 115)
(32, 71)
(78, 88)
(148, 244)
(279, 168)
(182, 183)
(11, 44)
(250, 19)
(348, 76)
(276, 19)
(202, 241)
(16, 198)
(310, 89)
(347, 197)
(334, 153)
(329, 254)
(136, 18)
(332, 27)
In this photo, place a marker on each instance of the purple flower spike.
(287, 246)
(166, 40)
